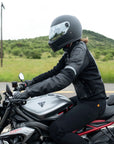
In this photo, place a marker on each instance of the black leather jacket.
(78, 67)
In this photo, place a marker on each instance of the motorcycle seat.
(110, 100)
(109, 112)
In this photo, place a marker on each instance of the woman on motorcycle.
(77, 66)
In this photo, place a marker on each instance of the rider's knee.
(56, 132)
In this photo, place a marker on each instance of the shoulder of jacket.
(80, 45)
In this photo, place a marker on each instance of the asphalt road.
(69, 91)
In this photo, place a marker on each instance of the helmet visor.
(59, 30)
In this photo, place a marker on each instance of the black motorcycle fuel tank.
(46, 105)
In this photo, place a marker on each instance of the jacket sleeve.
(52, 84)
(50, 73)
(65, 77)
(78, 59)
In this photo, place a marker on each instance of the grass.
(33, 67)
(107, 71)
(29, 67)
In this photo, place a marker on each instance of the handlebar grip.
(22, 86)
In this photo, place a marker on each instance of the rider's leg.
(75, 119)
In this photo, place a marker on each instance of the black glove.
(19, 95)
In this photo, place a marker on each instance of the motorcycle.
(27, 121)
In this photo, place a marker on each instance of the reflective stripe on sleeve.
(70, 67)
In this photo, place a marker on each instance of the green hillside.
(98, 41)
(101, 47)
(34, 56)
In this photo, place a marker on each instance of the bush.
(17, 52)
(34, 54)
(109, 56)
(104, 52)
(9, 51)
(97, 54)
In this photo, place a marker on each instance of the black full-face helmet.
(64, 30)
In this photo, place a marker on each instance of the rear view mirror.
(21, 76)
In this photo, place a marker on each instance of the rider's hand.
(19, 95)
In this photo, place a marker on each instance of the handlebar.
(18, 101)
(9, 99)
(19, 87)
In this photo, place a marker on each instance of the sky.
(32, 18)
